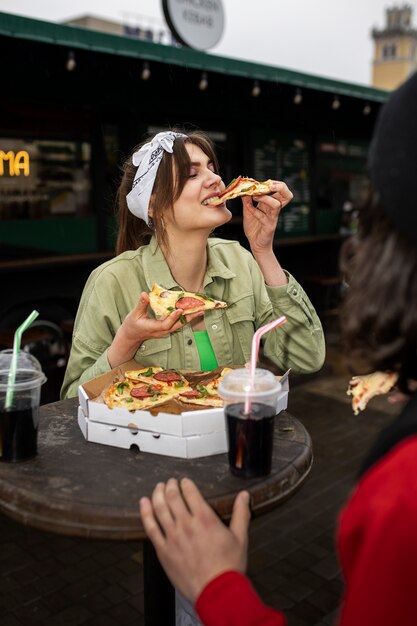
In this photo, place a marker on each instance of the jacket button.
(143, 347)
(190, 341)
(214, 327)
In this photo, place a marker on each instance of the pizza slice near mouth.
(241, 186)
(165, 301)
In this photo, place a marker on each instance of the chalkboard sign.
(285, 157)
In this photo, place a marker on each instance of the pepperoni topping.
(187, 303)
(168, 376)
(145, 391)
(193, 393)
(231, 185)
(141, 392)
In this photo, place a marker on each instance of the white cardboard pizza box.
(119, 426)
(191, 447)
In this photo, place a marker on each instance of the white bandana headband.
(147, 160)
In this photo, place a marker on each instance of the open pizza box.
(172, 429)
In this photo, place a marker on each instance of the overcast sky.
(331, 38)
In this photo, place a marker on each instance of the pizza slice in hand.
(364, 388)
(241, 186)
(165, 301)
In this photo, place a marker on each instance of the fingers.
(141, 305)
(282, 192)
(239, 523)
(175, 500)
(193, 497)
(162, 510)
(150, 523)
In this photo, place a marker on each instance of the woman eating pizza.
(165, 221)
(377, 528)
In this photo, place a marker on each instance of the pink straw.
(255, 351)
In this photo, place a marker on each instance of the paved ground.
(50, 580)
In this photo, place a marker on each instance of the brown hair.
(379, 313)
(169, 183)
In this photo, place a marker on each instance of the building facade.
(395, 49)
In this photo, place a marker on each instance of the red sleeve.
(378, 546)
(230, 600)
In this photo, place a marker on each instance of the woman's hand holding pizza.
(137, 327)
(260, 221)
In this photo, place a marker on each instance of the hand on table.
(260, 221)
(192, 543)
(137, 327)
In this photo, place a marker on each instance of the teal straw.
(13, 364)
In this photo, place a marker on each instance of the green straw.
(16, 347)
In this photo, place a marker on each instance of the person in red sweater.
(377, 539)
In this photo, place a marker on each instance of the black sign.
(286, 158)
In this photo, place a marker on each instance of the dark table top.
(84, 489)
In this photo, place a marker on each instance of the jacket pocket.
(241, 318)
(154, 352)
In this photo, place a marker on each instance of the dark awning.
(80, 38)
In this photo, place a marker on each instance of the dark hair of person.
(169, 183)
(379, 312)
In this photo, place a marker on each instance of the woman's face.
(189, 211)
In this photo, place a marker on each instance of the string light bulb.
(71, 63)
(203, 84)
(367, 109)
(146, 71)
(256, 89)
(298, 97)
(335, 103)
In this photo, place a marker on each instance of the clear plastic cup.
(250, 410)
(19, 421)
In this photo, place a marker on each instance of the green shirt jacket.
(232, 275)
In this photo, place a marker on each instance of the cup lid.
(29, 372)
(239, 382)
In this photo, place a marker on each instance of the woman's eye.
(193, 173)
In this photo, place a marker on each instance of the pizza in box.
(155, 388)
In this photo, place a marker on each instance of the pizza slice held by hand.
(165, 301)
(364, 388)
(241, 186)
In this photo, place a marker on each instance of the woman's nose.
(213, 178)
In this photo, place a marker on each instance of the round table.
(83, 489)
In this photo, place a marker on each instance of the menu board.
(285, 157)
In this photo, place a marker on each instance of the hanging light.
(203, 84)
(71, 63)
(367, 109)
(298, 96)
(335, 103)
(256, 89)
(146, 71)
